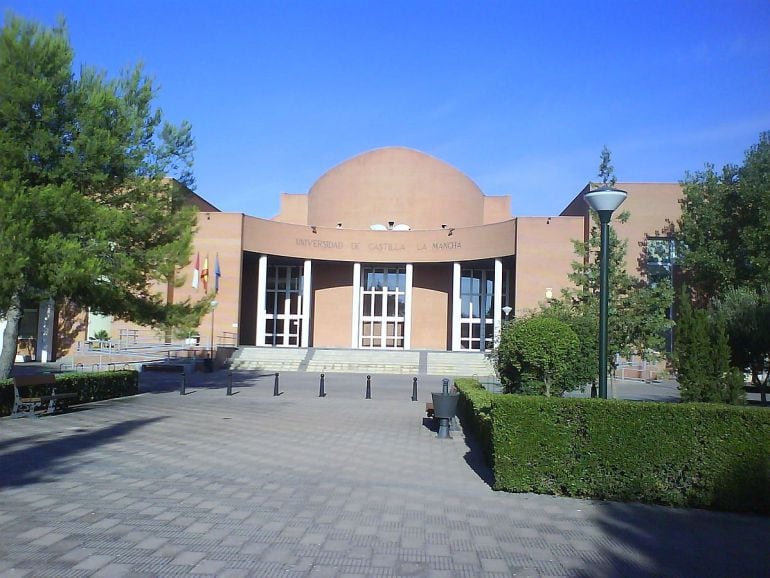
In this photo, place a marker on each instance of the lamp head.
(605, 199)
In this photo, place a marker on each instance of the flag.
(196, 271)
(205, 274)
(217, 274)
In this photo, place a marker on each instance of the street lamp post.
(604, 201)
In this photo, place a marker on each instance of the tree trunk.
(10, 335)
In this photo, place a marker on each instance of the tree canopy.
(638, 318)
(725, 225)
(92, 207)
(724, 232)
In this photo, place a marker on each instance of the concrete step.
(362, 361)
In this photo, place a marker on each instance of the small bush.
(538, 356)
(88, 387)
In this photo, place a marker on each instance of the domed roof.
(395, 185)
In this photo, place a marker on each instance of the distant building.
(396, 249)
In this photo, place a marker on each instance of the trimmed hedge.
(696, 455)
(88, 386)
(473, 409)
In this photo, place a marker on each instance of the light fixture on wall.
(548, 221)
(390, 225)
(313, 228)
(507, 311)
(548, 293)
(451, 230)
(443, 225)
(339, 225)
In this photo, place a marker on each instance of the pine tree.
(702, 356)
(87, 211)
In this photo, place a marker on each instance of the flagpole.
(211, 355)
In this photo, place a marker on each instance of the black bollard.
(184, 385)
(275, 388)
(321, 389)
(229, 383)
(414, 389)
(368, 387)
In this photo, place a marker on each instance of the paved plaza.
(252, 484)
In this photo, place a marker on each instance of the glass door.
(383, 306)
(283, 304)
(477, 309)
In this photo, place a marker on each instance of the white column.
(261, 299)
(456, 306)
(408, 308)
(306, 293)
(45, 329)
(355, 323)
(498, 301)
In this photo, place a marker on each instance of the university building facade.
(395, 249)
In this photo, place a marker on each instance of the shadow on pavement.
(5, 444)
(50, 458)
(475, 458)
(164, 383)
(661, 541)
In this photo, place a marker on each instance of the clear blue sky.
(520, 96)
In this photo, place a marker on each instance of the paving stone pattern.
(296, 485)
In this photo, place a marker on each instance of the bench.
(163, 367)
(760, 389)
(26, 404)
(168, 368)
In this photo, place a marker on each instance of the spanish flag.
(205, 274)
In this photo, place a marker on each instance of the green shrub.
(539, 356)
(88, 386)
(702, 357)
(473, 409)
(101, 335)
(696, 455)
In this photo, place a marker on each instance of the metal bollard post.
(275, 387)
(368, 387)
(414, 389)
(229, 383)
(321, 389)
(184, 385)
